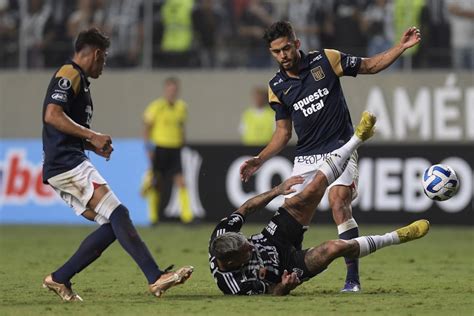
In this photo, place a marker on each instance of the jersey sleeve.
(343, 64)
(232, 223)
(229, 284)
(281, 112)
(65, 86)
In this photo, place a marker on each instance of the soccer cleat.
(366, 127)
(170, 279)
(413, 231)
(64, 292)
(351, 286)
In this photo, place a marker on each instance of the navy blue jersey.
(315, 101)
(246, 281)
(69, 88)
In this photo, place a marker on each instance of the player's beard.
(290, 65)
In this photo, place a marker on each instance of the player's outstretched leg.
(318, 258)
(337, 160)
(369, 244)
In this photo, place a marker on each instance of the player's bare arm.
(100, 143)
(379, 62)
(260, 201)
(280, 138)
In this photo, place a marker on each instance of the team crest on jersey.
(64, 83)
(318, 73)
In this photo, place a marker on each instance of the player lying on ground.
(273, 261)
(67, 115)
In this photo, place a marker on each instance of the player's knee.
(335, 248)
(108, 204)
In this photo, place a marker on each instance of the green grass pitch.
(431, 276)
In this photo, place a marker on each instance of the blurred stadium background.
(425, 102)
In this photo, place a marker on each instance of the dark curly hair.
(277, 30)
(91, 37)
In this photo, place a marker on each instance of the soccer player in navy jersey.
(67, 133)
(306, 93)
(273, 262)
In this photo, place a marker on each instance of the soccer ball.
(440, 182)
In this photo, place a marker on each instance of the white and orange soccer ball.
(440, 182)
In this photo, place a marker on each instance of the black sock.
(129, 239)
(89, 250)
(351, 264)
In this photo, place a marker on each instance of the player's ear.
(97, 53)
(297, 43)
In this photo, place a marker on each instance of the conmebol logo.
(21, 181)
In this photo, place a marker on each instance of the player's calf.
(337, 160)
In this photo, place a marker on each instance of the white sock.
(335, 164)
(369, 244)
(347, 225)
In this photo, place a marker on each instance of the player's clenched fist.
(102, 144)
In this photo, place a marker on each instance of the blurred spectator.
(349, 35)
(256, 17)
(124, 25)
(302, 15)
(164, 121)
(380, 33)
(462, 33)
(257, 122)
(8, 34)
(176, 47)
(62, 49)
(89, 13)
(206, 23)
(36, 31)
(435, 48)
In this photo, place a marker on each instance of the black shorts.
(167, 161)
(286, 233)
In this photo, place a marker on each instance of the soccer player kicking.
(273, 261)
(67, 114)
(306, 93)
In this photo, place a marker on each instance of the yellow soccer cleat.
(413, 231)
(366, 127)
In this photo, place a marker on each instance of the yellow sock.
(186, 213)
(153, 197)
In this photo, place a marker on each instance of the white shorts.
(77, 185)
(307, 166)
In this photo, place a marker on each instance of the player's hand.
(290, 280)
(102, 144)
(249, 167)
(285, 187)
(410, 38)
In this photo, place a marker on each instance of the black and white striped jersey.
(246, 281)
